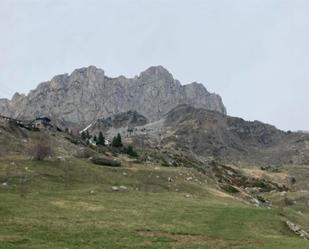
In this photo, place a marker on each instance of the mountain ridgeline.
(87, 94)
(153, 111)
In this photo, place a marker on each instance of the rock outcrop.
(88, 94)
(297, 230)
(128, 120)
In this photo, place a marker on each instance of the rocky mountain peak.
(156, 71)
(156, 75)
(17, 96)
(87, 71)
(87, 94)
(88, 74)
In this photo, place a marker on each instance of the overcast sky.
(254, 53)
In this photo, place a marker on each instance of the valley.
(66, 201)
(158, 165)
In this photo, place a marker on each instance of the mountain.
(88, 94)
(209, 134)
(153, 110)
(231, 139)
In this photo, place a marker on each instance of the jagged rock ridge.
(88, 94)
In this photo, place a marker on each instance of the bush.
(39, 150)
(105, 161)
(85, 153)
(261, 199)
(230, 189)
(287, 201)
(129, 150)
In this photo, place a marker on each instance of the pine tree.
(83, 135)
(129, 150)
(88, 135)
(95, 138)
(117, 141)
(101, 139)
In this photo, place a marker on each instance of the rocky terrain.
(87, 94)
(128, 120)
(209, 134)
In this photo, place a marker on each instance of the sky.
(254, 53)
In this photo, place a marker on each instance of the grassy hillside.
(71, 204)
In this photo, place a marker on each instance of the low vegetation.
(40, 149)
(106, 161)
(72, 204)
(65, 199)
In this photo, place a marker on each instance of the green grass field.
(71, 204)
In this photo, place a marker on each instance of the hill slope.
(71, 204)
(212, 135)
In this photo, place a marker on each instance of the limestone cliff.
(88, 94)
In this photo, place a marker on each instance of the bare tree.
(40, 149)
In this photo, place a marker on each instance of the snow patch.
(88, 127)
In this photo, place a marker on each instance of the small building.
(107, 142)
(42, 123)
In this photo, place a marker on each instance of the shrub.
(129, 150)
(260, 199)
(39, 150)
(84, 153)
(229, 189)
(287, 201)
(105, 161)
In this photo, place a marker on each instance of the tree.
(83, 135)
(101, 139)
(95, 138)
(88, 135)
(39, 150)
(129, 150)
(117, 141)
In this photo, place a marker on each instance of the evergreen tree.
(117, 141)
(129, 150)
(101, 139)
(95, 138)
(88, 135)
(83, 135)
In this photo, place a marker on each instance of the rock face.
(4, 103)
(128, 120)
(87, 94)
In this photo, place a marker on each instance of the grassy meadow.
(70, 204)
